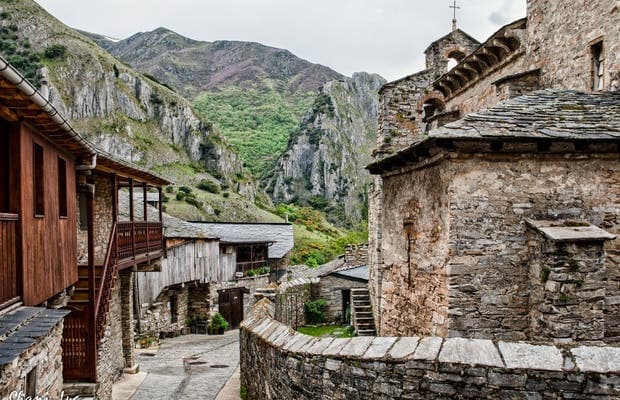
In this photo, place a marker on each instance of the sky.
(387, 37)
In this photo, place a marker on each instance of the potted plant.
(218, 324)
(200, 323)
(190, 323)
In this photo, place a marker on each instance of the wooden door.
(230, 302)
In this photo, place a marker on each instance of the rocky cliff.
(323, 165)
(121, 110)
(256, 94)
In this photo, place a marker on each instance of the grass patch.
(336, 331)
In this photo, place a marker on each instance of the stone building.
(495, 203)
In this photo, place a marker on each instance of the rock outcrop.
(324, 162)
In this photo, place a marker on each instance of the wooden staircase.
(85, 325)
(361, 312)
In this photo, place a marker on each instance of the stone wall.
(467, 271)
(375, 258)
(559, 40)
(160, 318)
(483, 94)
(330, 289)
(415, 252)
(46, 356)
(111, 357)
(102, 219)
(356, 255)
(279, 363)
(289, 302)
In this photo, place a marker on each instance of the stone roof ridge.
(452, 33)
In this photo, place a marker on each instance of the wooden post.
(161, 220)
(160, 205)
(131, 218)
(92, 320)
(146, 215)
(114, 198)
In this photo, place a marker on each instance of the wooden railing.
(8, 258)
(138, 238)
(105, 285)
(245, 266)
(79, 350)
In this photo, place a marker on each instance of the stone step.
(85, 390)
(366, 332)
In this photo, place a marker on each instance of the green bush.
(165, 198)
(185, 189)
(217, 323)
(315, 311)
(226, 195)
(209, 186)
(55, 52)
(180, 196)
(194, 202)
(169, 189)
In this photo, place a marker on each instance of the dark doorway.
(346, 306)
(230, 302)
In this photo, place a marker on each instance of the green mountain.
(256, 94)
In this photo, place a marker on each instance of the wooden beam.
(144, 198)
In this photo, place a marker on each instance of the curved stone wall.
(280, 363)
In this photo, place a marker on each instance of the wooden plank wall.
(195, 260)
(228, 261)
(49, 256)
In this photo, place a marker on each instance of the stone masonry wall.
(111, 358)
(102, 221)
(289, 301)
(46, 356)
(482, 94)
(159, 316)
(400, 124)
(463, 221)
(559, 39)
(330, 289)
(279, 363)
(490, 198)
(415, 252)
(375, 258)
(356, 255)
(567, 283)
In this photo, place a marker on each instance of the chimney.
(45, 89)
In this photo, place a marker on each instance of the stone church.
(495, 205)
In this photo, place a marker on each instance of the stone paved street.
(188, 367)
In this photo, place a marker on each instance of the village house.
(495, 202)
(65, 252)
(41, 162)
(251, 254)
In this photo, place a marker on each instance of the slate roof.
(281, 235)
(544, 114)
(306, 272)
(358, 273)
(549, 114)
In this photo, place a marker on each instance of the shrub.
(315, 311)
(55, 52)
(194, 202)
(226, 195)
(180, 196)
(209, 186)
(217, 323)
(185, 189)
(169, 189)
(165, 198)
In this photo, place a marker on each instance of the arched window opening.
(454, 58)
(432, 107)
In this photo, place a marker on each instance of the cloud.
(506, 13)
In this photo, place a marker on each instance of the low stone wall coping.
(474, 352)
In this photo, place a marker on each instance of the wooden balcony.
(9, 292)
(138, 242)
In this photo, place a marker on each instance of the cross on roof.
(454, 7)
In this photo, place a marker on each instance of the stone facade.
(330, 288)
(103, 220)
(111, 356)
(279, 363)
(289, 302)
(455, 236)
(559, 40)
(168, 313)
(40, 363)
(251, 283)
(356, 255)
(448, 239)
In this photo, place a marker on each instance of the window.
(39, 188)
(30, 385)
(174, 310)
(62, 187)
(5, 171)
(598, 65)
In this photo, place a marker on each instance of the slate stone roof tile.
(550, 113)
